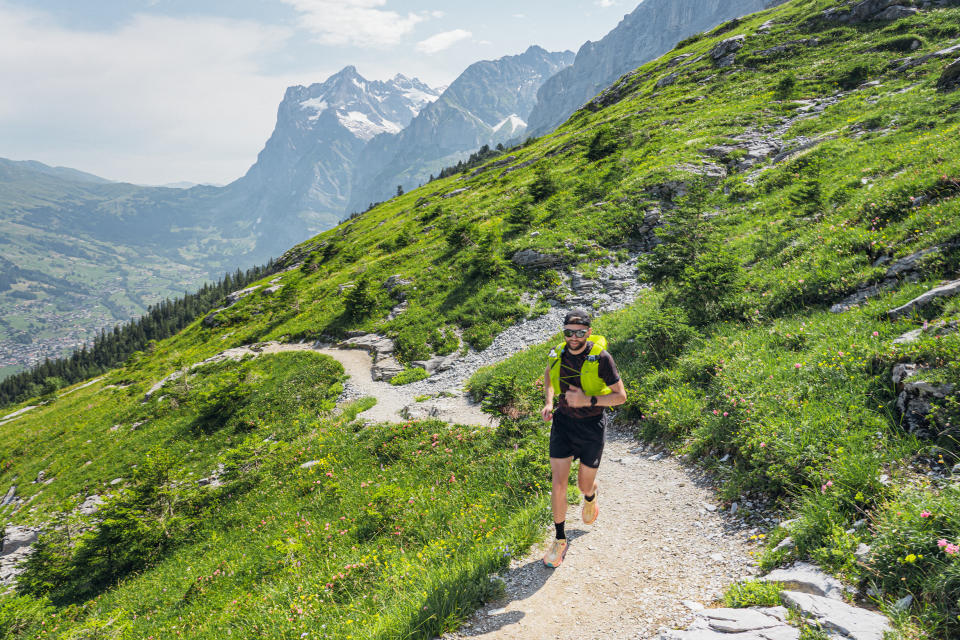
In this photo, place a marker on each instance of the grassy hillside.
(799, 174)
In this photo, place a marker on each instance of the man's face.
(575, 342)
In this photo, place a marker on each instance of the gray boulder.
(233, 297)
(950, 78)
(838, 616)
(376, 345)
(534, 259)
(806, 578)
(736, 624)
(17, 538)
(385, 368)
(91, 505)
(896, 12)
(723, 52)
(10, 496)
(667, 80)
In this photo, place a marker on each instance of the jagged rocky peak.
(364, 107)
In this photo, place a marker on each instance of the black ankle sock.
(560, 533)
(590, 498)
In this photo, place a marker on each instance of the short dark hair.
(577, 316)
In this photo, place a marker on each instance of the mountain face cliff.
(487, 104)
(303, 177)
(652, 29)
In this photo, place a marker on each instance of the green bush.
(706, 287)
(544, 184)
(911, 552)
(23, 617)
(505, 396)
(409, 375)
(603, 143)
(662, 334)
(752, 593)
(361, 299)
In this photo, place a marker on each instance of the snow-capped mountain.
(487, 104)
(303, 177)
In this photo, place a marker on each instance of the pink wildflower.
(942, 543)
(951, 549)
(763, 444)
(797, 365)
(876, 334)
(925, 514)
(725, 414)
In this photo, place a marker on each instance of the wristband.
(593, 401)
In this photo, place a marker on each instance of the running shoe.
(556, 552)
(590, 510)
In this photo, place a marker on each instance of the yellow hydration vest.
(593, 384)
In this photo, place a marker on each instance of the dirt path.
(657, 551)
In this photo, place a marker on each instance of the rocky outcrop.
(909, 63)
(724, 52)
(947, 290)
(10, 497)
(819, 604)
(806, 578)
(768, 623)
(838, 617)
(381, 350)
(867, 11)
(907, 268)
(950, 78)
(749, 149)
(532, 258)
(670, 190)
(652, 29)
(916, 397)
(16, 546)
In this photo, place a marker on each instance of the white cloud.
(157, 100)
(356, 22)
(441, 41)
(604, 3)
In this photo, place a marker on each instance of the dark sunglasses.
(575, 332)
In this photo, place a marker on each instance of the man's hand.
(576, 398)
(546, 413)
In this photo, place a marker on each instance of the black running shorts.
(578, 437)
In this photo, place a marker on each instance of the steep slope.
(652, 29)
(799, 339)
(487, 104)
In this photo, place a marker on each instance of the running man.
(584, 379)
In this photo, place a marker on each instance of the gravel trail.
(659, 550)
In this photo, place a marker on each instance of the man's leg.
(558, 499)
(587, 479)
(560, 467)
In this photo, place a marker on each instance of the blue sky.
(159, 91)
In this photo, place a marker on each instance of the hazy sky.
(159, 91)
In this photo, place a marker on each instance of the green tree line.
(112, 347)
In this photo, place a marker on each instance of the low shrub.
(407, 376)
(752, 593)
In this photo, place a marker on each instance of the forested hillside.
(791, 180)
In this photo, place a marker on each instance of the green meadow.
(323, 525)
